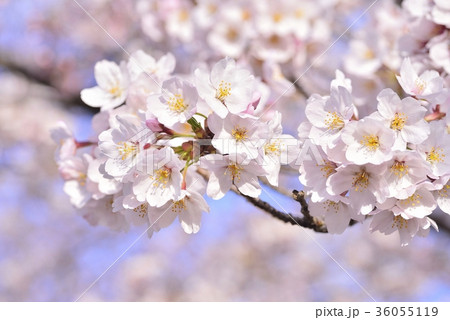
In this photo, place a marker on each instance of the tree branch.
(300, 89)
(307, 221)
(44, 79)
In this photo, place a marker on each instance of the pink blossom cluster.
(157, 131)
(141, 165)
(391, 165)
(427, 33)
(276, 31)
(266, 29)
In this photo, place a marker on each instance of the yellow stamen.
(369, 54)
(399, 121)
(435, 155)
(176, 104)
(245, 15)
(235, 171)
(328, 169)
(127, 149)
(82, 179)
(361, 181)
(400, 169)
(443, 193)
(116, 91)
(273, 147)
(178, 206)
(161, 177)
(334, 121)
(411, 201)
(334, 206)
(232, 34)
(141, 210)
(277, 17)
(371, 141)
(183, 15)
(239, 133)
(399, 222)
(223, 91)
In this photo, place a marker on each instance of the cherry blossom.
(176, 104)
(368, 141)
(365, 151)
(112, 86)
(229, 170)
(228, 88)
(428, 86)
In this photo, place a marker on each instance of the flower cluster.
(392, 165)
(280, 39)
(267, 30)
(142, 165)
(427, 35)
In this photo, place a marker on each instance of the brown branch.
(307, 221)
(45, 79)
(443, 221)
(300, 89)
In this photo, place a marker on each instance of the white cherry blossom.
(405, 117)
(229, 170)
(228, 88)
(112, 87)
(176, 104)
(368, 141)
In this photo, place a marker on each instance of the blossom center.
(371, 141)
(273, 148)
(399, 121)
(183, 15)
(235, 171)
(245, 15)
(334, 121)
(299, 13)
(141, 210)
(369, 54)
(328, 169)
(177, 104)
(161, 177)
(277, 17)
(331, 205)
(435, 155)
(127, 149)
(399, 222)
(239, 133)
(178, 206)
(223, 91)
(420, 86)
(116, 91)
(399, 168)
(82, 178)
(443, 193)
(232, 34)
(361, 181)
(412, 201)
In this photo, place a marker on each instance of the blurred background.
(48, 253)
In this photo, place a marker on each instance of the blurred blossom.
(48, 51)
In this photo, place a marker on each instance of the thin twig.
(45, 79)
(306, 221)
